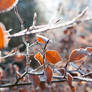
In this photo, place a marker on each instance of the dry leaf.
(42, 86)
(3, 36)
(77, 54)
(48, 73)
(62, 71)
(42, 39)
(35, 80)
(6, 7)
(39, 57)
(69, 78)
(52, 56)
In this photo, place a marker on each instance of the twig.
(50, 27)
(34, 19)
(23, 75)
(43, 81)
(19, 18)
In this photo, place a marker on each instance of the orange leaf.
(89, 49)
(39, 57)
(77, 54)
(6, 5)
(48, 73)
(42, 39)
(52, 56)
(3, 36)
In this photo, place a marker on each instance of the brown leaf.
(48, 73)
(42, 86)
(52, 56)
(35, 80)
(69, 78)
(62, 70)
(77, 54)
(39, 57)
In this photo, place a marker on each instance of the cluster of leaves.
(38, 66)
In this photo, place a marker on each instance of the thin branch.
(34, 19)
(19, 18)
(47, 27)
(57, 80)
(23, 75)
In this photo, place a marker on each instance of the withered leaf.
(42, 39)
(35, 80)
(39, 57)
(69, 78)
(77, 54)
(52, 56)
(48, 72)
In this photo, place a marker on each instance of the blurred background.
(64, 39)
(45, 9)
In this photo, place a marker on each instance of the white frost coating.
(49, 7)
(11, 7)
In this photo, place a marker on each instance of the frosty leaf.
(69, 78)
(6, 7)
(39, 57)
(35, 80)
(42, 39)
(48, 73)
(3, 36)
(52, 56)
(77, 54)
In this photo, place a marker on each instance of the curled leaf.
(42, 39)
(52, 56)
